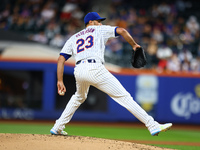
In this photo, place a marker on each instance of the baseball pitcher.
(87, 47)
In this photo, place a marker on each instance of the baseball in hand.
(61, 93)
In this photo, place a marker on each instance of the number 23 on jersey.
(82, 44)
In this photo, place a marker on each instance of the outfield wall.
(167, 97)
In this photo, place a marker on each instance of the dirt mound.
(50, 142)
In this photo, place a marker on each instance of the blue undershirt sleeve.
(65, 55)
(116, 34)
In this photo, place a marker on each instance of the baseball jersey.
(89, 42)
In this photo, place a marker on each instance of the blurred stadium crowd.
(168, 30)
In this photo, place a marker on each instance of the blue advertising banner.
(167, 99)
(179, 100)
(174, 98)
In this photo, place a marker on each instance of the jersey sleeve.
(109, 31)
(67, 48)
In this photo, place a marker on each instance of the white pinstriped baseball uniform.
(87, 46)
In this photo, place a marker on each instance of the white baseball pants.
(97, 75)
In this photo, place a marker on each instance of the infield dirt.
(51, 142)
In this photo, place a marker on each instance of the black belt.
(88, 60)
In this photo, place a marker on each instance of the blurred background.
(32, 32)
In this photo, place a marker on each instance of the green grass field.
(109, 132)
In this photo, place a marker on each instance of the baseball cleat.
(162, 127)
(54, 132)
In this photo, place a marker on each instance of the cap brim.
(102, 19)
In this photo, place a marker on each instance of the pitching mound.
(50, 142)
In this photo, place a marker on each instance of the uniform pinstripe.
(95, 74)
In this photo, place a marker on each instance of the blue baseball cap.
(92, 16)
